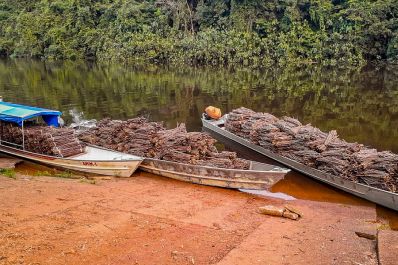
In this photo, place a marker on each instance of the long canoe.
(94, 161)
(378, 196)
(259, 177)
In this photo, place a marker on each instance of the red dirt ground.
(153, 220)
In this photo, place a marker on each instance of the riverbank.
(47, 220)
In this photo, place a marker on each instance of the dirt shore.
(153, 220)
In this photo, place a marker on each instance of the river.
(361, 105)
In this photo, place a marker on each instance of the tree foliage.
(256, 32)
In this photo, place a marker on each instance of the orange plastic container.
(213, 112)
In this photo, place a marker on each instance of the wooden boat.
(379, 196)
(260, 176)
(94, 160)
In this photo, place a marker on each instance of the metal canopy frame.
(14, 144)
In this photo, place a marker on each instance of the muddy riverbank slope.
(153, 220)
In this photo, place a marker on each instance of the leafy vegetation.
(9, 173)
(63, 174)
(88, 181)
(218, 32)
(55, 173)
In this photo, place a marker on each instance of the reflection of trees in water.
(363, 106)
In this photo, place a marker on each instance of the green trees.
(258, 33)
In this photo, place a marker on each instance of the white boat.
(93, 160)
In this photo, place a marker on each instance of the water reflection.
(362, 106)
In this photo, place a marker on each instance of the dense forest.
(258, 33)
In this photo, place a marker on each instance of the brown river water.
(361, 105)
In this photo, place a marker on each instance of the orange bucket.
(213, 112)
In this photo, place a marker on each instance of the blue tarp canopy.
(18, 113)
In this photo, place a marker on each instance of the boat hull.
(211, 176)
(382, 197)
(116, 168)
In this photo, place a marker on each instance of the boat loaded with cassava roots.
(33, 133)
(182, 155)
(60, 142)
(140, 137)
(310, 146)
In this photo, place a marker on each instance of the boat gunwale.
(48, 157)
(283, 171)
(187, 175)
